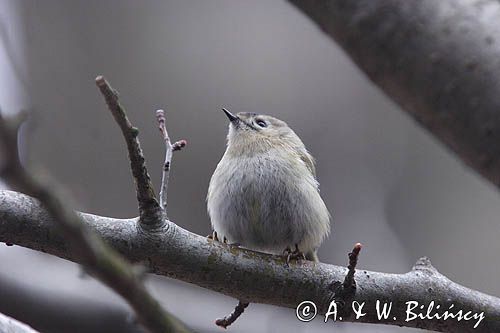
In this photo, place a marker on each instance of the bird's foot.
(293, 255)
(213, 236)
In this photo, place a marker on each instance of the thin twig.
(97, 257)
(149, 209)
(169, 149)
(344, 292)
(160, 116)
(231, 318)
(349, 281)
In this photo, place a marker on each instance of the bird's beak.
(232, 117)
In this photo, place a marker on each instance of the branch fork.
(97, 257)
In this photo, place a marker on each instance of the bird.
(263, 194)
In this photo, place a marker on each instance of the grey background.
(388, 183)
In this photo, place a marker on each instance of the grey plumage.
(263, 194)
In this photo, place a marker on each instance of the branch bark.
(439, 60)
(243, 274)
(10, 325)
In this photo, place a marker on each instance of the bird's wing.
(308, 160)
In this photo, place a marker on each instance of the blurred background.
(387, 182)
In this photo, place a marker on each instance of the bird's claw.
(295, 254)
(213, 236)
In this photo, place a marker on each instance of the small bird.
(264, 195)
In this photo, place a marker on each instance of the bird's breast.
(257, 201)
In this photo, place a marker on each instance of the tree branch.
(149, 210)
(172, 251)
(439, 60)
(84, 245)
(255, 277)
(169, 149)
(10, 325)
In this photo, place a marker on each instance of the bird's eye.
(261, 123)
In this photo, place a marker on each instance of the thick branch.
(439, 60)
(255, 277)
(149, 209)
(10, 325)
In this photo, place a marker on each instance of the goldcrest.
(264, 195)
